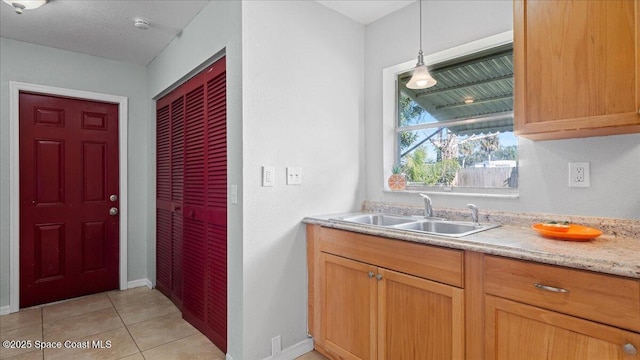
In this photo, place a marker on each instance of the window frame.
(390, 74)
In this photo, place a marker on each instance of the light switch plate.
(234, 194)
(268, 176)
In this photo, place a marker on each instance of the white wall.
(23, 62)
(615, 160)
(214, 30)
(302, 106)
(301, 85)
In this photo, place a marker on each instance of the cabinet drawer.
(429, 262)
(604, 298)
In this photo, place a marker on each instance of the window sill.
(457, 194)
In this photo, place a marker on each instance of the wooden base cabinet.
(543, 312)
(519, 331)
(374, 298)
(377, 313)
(369, 298)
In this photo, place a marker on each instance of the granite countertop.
(610, 254)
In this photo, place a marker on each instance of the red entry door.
(69, 227)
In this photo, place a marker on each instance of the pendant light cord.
(421, 79)
(420, 25)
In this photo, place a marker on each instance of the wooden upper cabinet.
(577, 68)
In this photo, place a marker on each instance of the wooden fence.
(494, 177)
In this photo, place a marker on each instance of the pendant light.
(421, 78)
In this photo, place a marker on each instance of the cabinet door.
(349, 308)
(418, 318)
(518, 331)
(576, 68)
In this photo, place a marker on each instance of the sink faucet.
(474, 213)
(428, 209)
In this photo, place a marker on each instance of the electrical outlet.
(294, 175)
(579, 174)
(276, 346)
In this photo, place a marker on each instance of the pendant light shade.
(421, 78)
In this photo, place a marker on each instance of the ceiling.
(105, 28)
(365, 11)
(101, 28)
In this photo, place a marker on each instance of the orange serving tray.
(575, 232)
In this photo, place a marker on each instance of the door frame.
(14, 176)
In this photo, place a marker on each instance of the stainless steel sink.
(434, 226)
(446, 228)
(378, 219)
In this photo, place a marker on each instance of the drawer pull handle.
(551, 288)
(629, 349)
(379, 277)
(370, 274)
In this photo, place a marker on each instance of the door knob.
(113, 197)
(113, 211)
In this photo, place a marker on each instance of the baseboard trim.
(139, 283)
(4, 310)
(294, 351)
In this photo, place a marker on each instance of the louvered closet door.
(199, 194)
(163, 200)
(169, 185)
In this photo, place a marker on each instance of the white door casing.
(14, 176)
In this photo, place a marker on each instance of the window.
(458, 135)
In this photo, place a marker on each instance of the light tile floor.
(139, 323)
(314, 355)
(136, 324)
